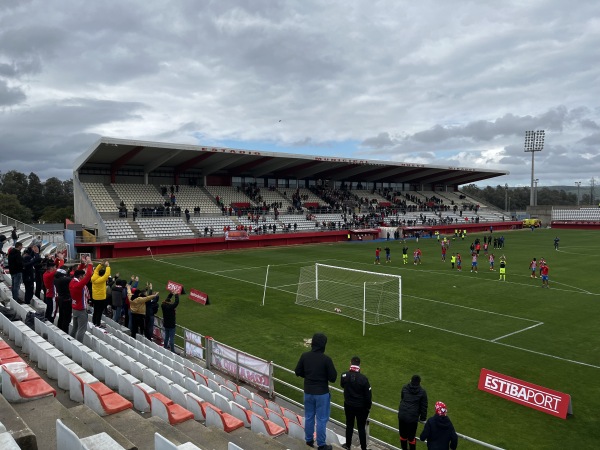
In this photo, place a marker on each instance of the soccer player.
(415, 257)
(458, 262)
(556, 241)
(388, 256)
(377, 258)
(443, 253)
(502, 268)
(419, 255)
(544, 274)
(405, 254)
(452, 261)
(491, 259)
(533, 267)
(474, 262)
(541, 264)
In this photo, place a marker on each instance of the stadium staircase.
(135, 227)
(115, 392)
(113, 194)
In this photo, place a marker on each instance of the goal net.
(373, 298)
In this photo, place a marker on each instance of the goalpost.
(371, 297)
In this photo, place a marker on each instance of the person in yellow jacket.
(137, 309)
(99, 278)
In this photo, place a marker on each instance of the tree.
(33, 195)
(14, 183)
(12, 207)
(52, 214)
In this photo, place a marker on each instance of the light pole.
(578, 183)
(535, 182)
(534, 142)
(506, 197)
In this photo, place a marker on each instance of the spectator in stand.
(62, 279)
(151, 310)
(357, 402)
(48, 278)
(79, 299)
(118, 295)
(14, 236)
(413, 408)
(137, 305)
(99, 280)
(317, 369)
(439, 431)
(15, 267)
(31, 257)
(168, 311)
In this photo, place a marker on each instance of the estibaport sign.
(525, 393)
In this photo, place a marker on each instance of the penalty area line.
(572, 361)
(516, 332)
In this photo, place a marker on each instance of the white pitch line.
(471, 308)
(519, 331)
(505, 345)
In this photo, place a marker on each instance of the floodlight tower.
(578, 183)
(535, 184)
(506, 197)
(534, 142)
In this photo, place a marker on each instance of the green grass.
(450, 323)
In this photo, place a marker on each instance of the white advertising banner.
(252, 370)
(193, 344)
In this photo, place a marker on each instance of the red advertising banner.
(171, 285)
(199, 296)
(236, 235)
(527, 394)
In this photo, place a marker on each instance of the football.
(337, 310)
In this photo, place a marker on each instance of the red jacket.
(79, 291)
(48, 279)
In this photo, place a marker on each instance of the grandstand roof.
(146, 157)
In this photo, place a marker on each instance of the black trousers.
(65, 313)
(138, 324)
(359, 414)
(99, 306)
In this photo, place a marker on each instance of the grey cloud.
(10, 96)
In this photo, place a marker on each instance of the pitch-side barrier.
(371, 421)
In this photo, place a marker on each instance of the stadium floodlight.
(370, 297)
(578, 183)
(534, 142)
(506, 197)
(535, 185)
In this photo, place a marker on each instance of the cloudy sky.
(435, 82)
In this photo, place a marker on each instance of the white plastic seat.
(141, 397)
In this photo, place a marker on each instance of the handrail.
(371, 421)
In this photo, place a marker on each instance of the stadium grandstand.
(134, 191)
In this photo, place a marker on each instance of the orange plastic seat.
(32, 386)
(111, 402)
(228, 423)
(177, 414)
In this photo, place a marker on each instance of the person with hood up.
(317, 369)
(439, 431)
(413, 408)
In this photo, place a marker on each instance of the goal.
(371, 297)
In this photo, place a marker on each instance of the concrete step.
(97, 425)
(17, 427)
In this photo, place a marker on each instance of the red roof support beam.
(190, 163)
(115, 166)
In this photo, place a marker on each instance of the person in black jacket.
(357, 402)
(15, 267)
(63, 297)
(31, 257)
(439, 431)
(317, 369)
(168, 312)
(413, 408)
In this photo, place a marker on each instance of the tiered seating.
(218, 223)
(119, 229)
(583, 214)
(274, 196)
(311, 197)
(365, 193)
(332, 217)
(229, 195)
(67, 439)
(164, 227)
(191, 197)
(7, 442)
(100, 197)
(303, 224)
(132, 194)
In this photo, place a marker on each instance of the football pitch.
(453, 325)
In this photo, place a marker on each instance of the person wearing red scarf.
(357, 402)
